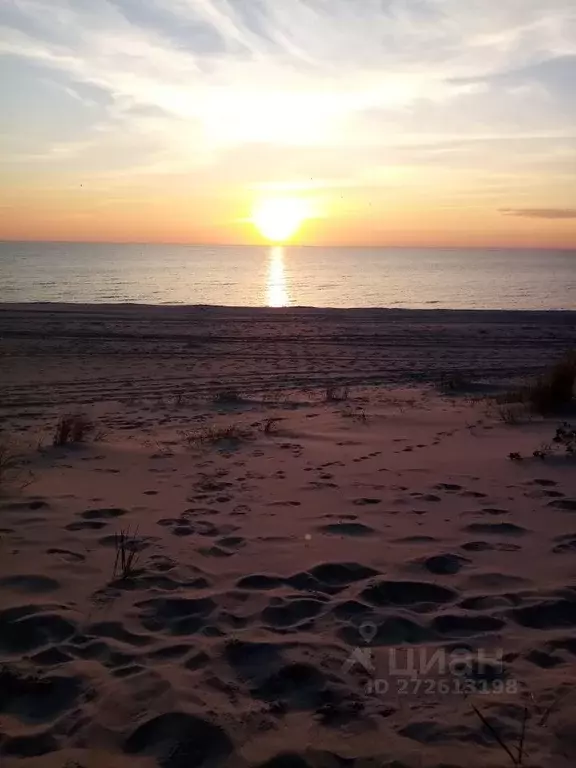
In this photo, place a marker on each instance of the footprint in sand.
(485, 546)
(173, 739)
(347, 529)
(568, 505)
(37, 699)
(38, 503)
(330, 578)
(259, 581)
(461, 625)
(240, 510)
(88, 525)
(106, 513)
(184, 526)
(284, 503)
(66, 554)
(385, 592)
(215, 551)
(287, 613)
(168, 652)
(492, 511)
(549, 613)
(566, 543)
(504, 529)
(30, 584)
(495, 580)
(487, 602)
(235, 542)
(176, 615)
(542, 493)
(543, 659)
(414, 540)
(446, 564)
(27, 628)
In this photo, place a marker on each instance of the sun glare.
(278, 219)
(277, 290)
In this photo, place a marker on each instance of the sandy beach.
(337, 563)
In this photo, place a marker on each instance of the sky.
(394, 122)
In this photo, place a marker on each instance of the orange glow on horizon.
(352, 217)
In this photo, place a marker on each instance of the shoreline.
(58, 306)
(79, 352)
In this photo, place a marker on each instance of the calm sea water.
(288, 276)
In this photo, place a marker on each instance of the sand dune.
(317, 584)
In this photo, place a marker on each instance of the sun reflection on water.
(277, 293)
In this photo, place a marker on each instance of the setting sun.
(279, 219)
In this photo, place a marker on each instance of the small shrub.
(565, 437)
(72, 428)
(215, 434)
(453, 382)
(99, 435)
(268, 425)
(359, 414)
(179, 399)
(9, 462)
(543, 452)
(227, 397)
(554, 390)
(275, 396)
(336, 394)
(510, 414)
(514, 396)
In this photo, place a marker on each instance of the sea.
(282, 276)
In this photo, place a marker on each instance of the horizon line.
(296, 245)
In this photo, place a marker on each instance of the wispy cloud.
(287, 72)
(293, 92)
(541, 213)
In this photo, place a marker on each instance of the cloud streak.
(290, 72)
(541, 213)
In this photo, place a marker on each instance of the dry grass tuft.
(551, 393)
(269, 425)
(180, 400)
(516, 754)
(234, 433)
(72, 428)
(127, 554)
(565, 438)
(554, 391)
(227, 397)
(358, 413)
(335, 393)
(9, 462)
(512, 413)
(453, 382)
(533, 713)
